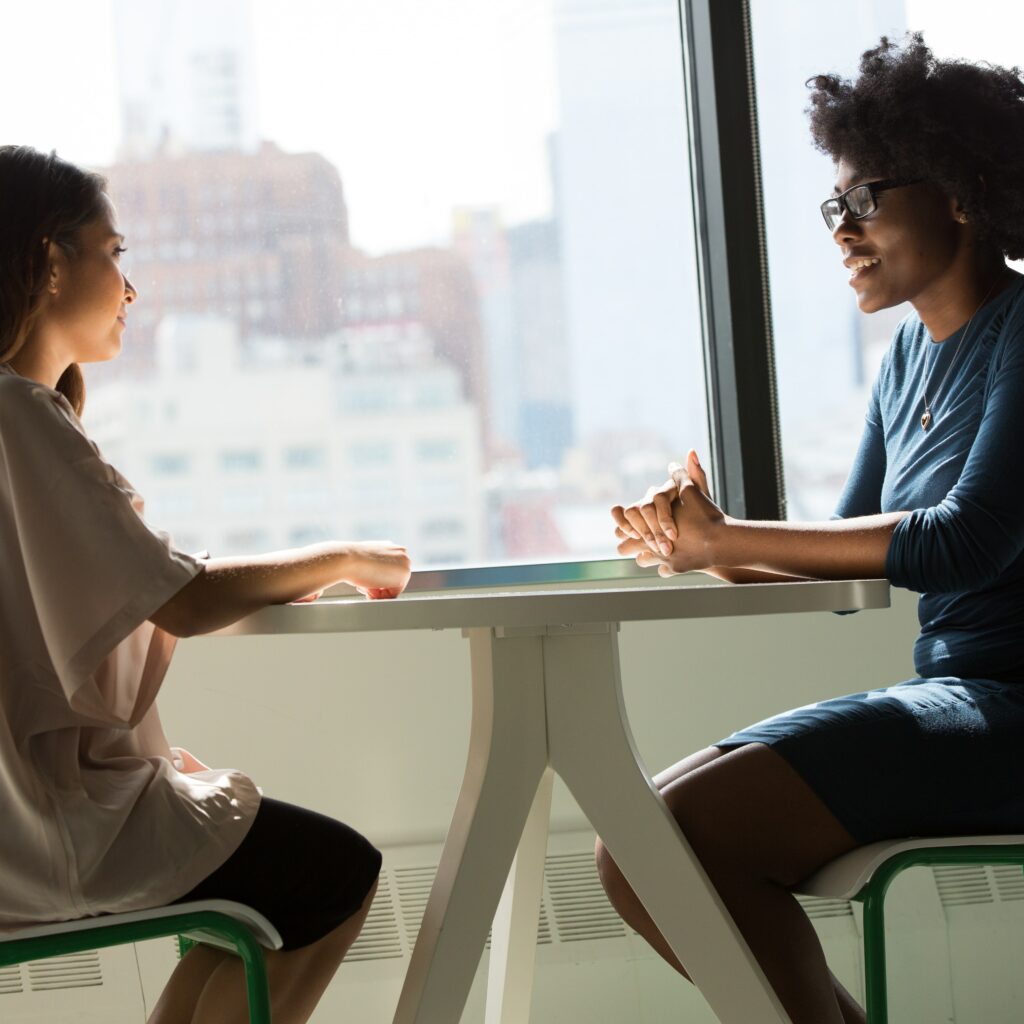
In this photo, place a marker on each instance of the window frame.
(732, 259)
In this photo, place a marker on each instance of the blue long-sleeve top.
(962, 480)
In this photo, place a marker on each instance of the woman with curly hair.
(928, 205)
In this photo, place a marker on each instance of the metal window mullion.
(732, 258)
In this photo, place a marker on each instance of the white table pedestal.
(549, 698)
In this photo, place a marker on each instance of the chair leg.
(875, 990)
(257, 986)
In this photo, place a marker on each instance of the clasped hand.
(674, 524)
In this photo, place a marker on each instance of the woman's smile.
(860, 266)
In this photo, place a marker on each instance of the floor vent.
(80, 970)
(379, 939)
(574, 907)
(543, 927)
(10, 980)
(818, 909)
(578, 902)
(961, 886)
(413, 885)
(1009, 879)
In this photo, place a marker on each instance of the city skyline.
(397, 64)
(537, 303)
(50, 115)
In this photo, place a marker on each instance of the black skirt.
(306, 873)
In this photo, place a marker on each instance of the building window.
(371, 453)
(436, 529)
(241, 461)
(170, 463)
(437, 450)
(305, 457)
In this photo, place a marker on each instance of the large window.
(426, 266)
(434, 266)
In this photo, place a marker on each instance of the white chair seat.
(266, 934)
(844, 877)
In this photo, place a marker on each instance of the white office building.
(376, 441)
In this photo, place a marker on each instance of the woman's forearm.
(228, 589)
(837, 549)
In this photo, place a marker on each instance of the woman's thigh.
(747, 809)
(307, 873)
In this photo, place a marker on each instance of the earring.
(962, 218)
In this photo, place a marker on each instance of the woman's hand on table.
(673, 525)
(649, 521)
(746, 551)
(378, 569)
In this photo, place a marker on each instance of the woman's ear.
(56, 266)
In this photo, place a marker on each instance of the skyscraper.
(623, 195)
(186, 76)
(260, 238)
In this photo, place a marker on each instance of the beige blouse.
(93, 815)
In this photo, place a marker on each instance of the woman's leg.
(758, 829)
(305, 872)
(298, 978)
(177, 1002)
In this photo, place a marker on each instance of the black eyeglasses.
(859, 200)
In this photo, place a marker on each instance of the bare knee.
(348, 931)
(364, 907)
(612, 879)
(606, 867)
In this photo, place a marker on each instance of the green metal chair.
(865, 875)
(230, 926)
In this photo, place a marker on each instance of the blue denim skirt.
(940, 756)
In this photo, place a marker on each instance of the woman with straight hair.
(99, 813)
(928, 205)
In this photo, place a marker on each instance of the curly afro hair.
(957, 124)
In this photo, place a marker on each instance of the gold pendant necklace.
(926, 419)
